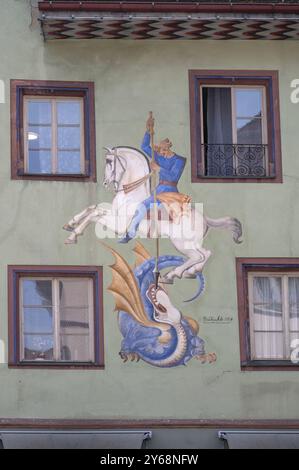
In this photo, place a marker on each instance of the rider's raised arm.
(146, 144)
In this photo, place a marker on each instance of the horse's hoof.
(70, 241)
(187, 275)
(67, 227)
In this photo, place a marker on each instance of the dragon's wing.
(141, 253)
(127, 296)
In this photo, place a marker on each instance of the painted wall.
(132, 78)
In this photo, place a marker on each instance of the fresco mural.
(153, 329)
(148, 204)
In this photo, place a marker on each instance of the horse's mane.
(137, 150)
(141, 153)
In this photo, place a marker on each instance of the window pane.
(74, 292)
(69, 112)
(38, 347)
(40, 161)
(69, 162)
(268, 346)
(75, 348)
(39, 112)
(267, 304)
(75, 330)
(248, 102)
(267, 318)
(74, 320)
(294, 303)
(249, 131)
(38, 320)
(37, 292)
(69, 138)
(39, 137)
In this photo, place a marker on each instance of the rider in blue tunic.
(170, 167)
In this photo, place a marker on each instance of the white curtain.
(294, 307)
(268, 318)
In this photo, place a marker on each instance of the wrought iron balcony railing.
(235, 160)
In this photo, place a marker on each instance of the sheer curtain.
(218, 131)
(294, 308)
(75, 300)
(268, 318)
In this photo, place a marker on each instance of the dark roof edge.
(173, 7)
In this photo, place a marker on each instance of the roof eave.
(174, 7)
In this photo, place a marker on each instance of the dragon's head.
(164, 311)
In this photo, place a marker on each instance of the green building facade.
(184, 406)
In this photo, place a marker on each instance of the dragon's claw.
(123, 356)
(209, 358)
(129, 356)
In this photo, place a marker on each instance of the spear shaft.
(154, 185)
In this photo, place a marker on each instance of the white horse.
(128, 173)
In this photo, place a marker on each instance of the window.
(53, 130)
(235, 132)
(55, 316)
(268, 293)
(54, 136)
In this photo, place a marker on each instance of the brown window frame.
(15, 274)
(19, 89)
(244, 266)
(269, 79)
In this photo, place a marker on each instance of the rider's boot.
(133, 227)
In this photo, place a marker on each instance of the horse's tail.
(228, 223)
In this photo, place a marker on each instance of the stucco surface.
(132, 78)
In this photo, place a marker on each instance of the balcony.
(233, 160)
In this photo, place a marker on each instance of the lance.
(154, 185)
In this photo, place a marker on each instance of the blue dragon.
(152, 328)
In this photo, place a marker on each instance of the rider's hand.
(155, 166)
(150, 123)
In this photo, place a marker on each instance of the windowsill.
(55, 365)
(235, 179)
(48, 177)
(269, 365)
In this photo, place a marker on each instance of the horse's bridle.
(115, 161)
(127, 188)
